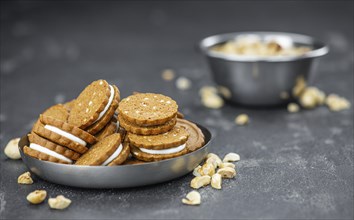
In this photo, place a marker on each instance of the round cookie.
(175, 137)
(107, 116)
(196, 136)
(58, 111)
(105, 152)
(69, 105)
(147, 109)
(147, 130)
(140, 155)
(90, 103)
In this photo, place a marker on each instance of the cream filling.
(114, 155)
(110, 100)
(65, 134)
(49, 152)
(164, 151)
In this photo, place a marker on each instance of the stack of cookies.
(63, 133)
(151, 124)
(93, 130)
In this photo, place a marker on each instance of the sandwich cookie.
(147, 130)
(44, 149)
(196, 136)
(107, 114)
(93, 103)
(69, 105)
(111, 128)
(159, 147)
(108, 152)
(147, 109)
(63, 134)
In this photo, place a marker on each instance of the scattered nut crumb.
(242, 119)
(293, 107)
(37, 196)
(168, 74)
(25, 178)
(231, 157)
(196, 171)
(60, 202)
(207, 169)
(210, 97)
(227, 164)
(215, 161)
(212, 101)
(183, 83)
(11, 149)
(312, 97)
(225, 92)
(200, 181)
(192, 198)
(227, 172)
(337, 103)
(216, 181)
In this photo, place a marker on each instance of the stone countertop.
(292, 165)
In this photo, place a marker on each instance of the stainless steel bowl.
(116, 176)
(261, 81)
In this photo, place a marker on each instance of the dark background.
(292, 165)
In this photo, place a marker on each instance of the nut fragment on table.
(183, 83)
(216, 181)
(293, 107)
(25, 178)
(242, 119)
(200, 181)
(215, 161)
(227, 164)
(227, 172)
(231, 157)
(168, 75)
(337, 103)
(196, 171)
(37, 196)
(60, 202)
(312, 97)
(210, 98)
(11, 150)
(192, 198)
(207, 169)
(225, 92)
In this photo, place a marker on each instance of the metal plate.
(116, 176)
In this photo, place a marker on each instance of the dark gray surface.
(293, 165)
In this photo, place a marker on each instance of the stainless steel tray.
(116, 176)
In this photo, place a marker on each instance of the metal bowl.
(261, 81)
(116, 176)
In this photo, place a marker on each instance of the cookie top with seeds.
(147, 109)
(173, 138)
(89, 104)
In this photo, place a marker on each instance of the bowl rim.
(207, 42)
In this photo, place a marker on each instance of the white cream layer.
(65, 134)
(164, 151)
(110, 100)
(49, 152)
(114, 155)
